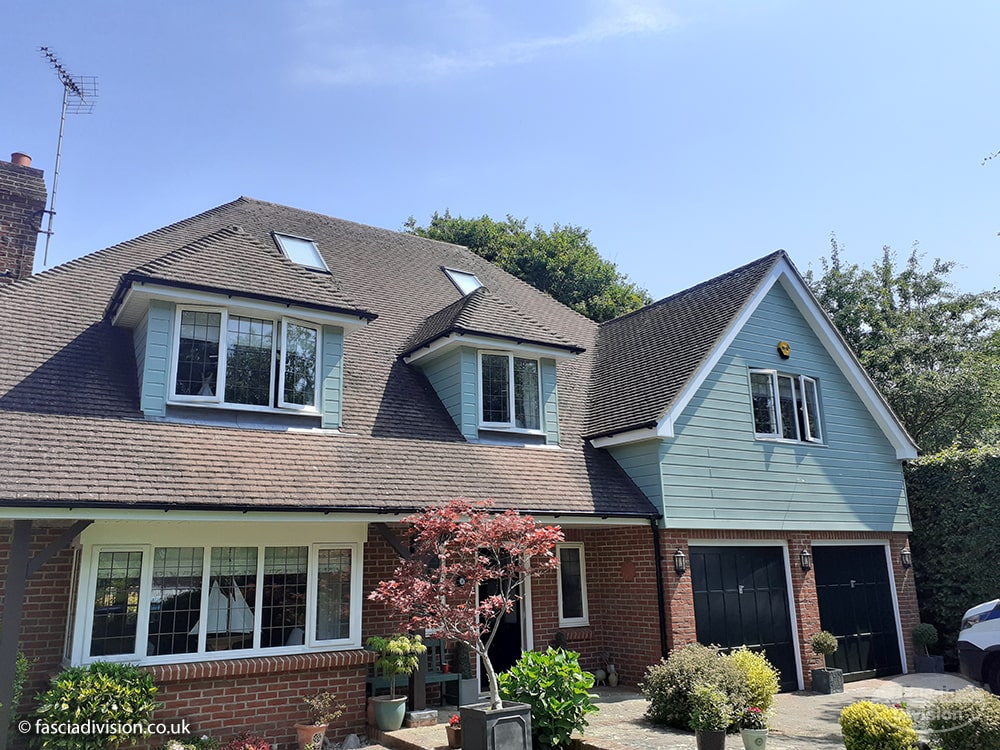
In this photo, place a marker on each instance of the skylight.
(466, 282)
(300, 250)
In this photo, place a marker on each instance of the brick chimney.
(22, 203)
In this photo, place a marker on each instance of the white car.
(979, 644)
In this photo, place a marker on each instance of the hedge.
(954, 504)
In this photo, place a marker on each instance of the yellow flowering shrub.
(874, 726)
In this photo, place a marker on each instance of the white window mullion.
(258, 620)
(312, 592)
(776, 396)
(223, 353)
(510, 390)
(206, 584)
(145, 597)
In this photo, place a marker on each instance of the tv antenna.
(79, 96)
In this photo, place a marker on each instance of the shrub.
(760, 680)
(323, 708)
(191, 743)
(21, 668)
(969, 718)
(104, 693)
(824, 643)
(398, 655)
(668, 685)
(710, 709)
(874, 726)
(924, 635)
(247, 741)
(556, 688)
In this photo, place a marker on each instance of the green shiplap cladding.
(158, 329)
(550, 401)
(332, 377)
(715, 475)
(453, 377)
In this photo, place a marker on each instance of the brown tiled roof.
(71, 431)
(483, 313)
(262, 273)
(645, 358)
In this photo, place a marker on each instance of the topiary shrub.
(925, 635)
(103, 693)
(760, 680)
(556, 688)
(874, 726)
(824, 643)
(967, 719)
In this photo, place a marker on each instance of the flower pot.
(754, 739)
(507, 728)
(454, 736)
(934, 664)
(710, 739)
(311, 733)
(389, 712)
(612, 679)
(828, 681)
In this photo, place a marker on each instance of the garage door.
(855, 604)
(741, 597)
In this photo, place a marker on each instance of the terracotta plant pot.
(454, 736)
(309, 733)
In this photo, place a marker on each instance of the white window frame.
(277, 370)
(573, 622)
(465, 281)
(314, 406)
(84, 622)
(801, 386)
(279, 236)
(510, 426)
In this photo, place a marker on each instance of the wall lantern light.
(680, 562)
(905, 558)
(805, 559)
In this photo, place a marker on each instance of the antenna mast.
(79, 95)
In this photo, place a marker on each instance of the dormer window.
(245, 361)
(301, 250)
(785, 407)
(466, 282)
(509, 392)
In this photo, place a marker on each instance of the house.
(211, 435)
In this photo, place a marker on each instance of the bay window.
(510, 395)
(785, 406)
(169, 603)
(244, 361)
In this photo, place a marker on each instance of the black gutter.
(462, 330)
(660, 600)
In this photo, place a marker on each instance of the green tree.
(933, 352)
(562, 262)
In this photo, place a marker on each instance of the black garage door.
(855, 604)
(741, 597)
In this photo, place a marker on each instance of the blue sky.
(690, 137)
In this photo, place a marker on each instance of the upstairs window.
(300, 250)
(785, 406)
(245, 361)
(509, 392)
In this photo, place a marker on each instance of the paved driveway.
(802, 721)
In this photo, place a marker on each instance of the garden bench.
(437, 664)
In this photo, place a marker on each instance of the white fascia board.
(453, 340)
(785, 273)
(141, 292)
(624, 438)
(600, 522)
(848, 364)
(228, 516)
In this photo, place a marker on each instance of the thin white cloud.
(345, 43)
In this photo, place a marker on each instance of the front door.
(855, 604)
(507, 646)
(741, 598)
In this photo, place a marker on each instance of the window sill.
(487, 427)
(219, 406)
(577, 632)
(228, 668)
(786, 441)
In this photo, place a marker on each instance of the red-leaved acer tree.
(457, 547)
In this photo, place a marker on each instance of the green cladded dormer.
(493, 368)
(231, 325)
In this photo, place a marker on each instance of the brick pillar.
(22, 203)
(906, 595)
(806, 605)
(678, 593)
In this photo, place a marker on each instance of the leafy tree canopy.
(561, 262)
(933, 352)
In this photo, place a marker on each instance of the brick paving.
(802, 721)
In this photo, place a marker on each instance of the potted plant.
(711, 715)
(397, 656)
(472, 547)
(753, 728)
(454, 730)
(925, 635)
(323, 709)
(247, 741)
(826, 680)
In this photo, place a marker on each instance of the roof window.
(300, 250)
(466, 282)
